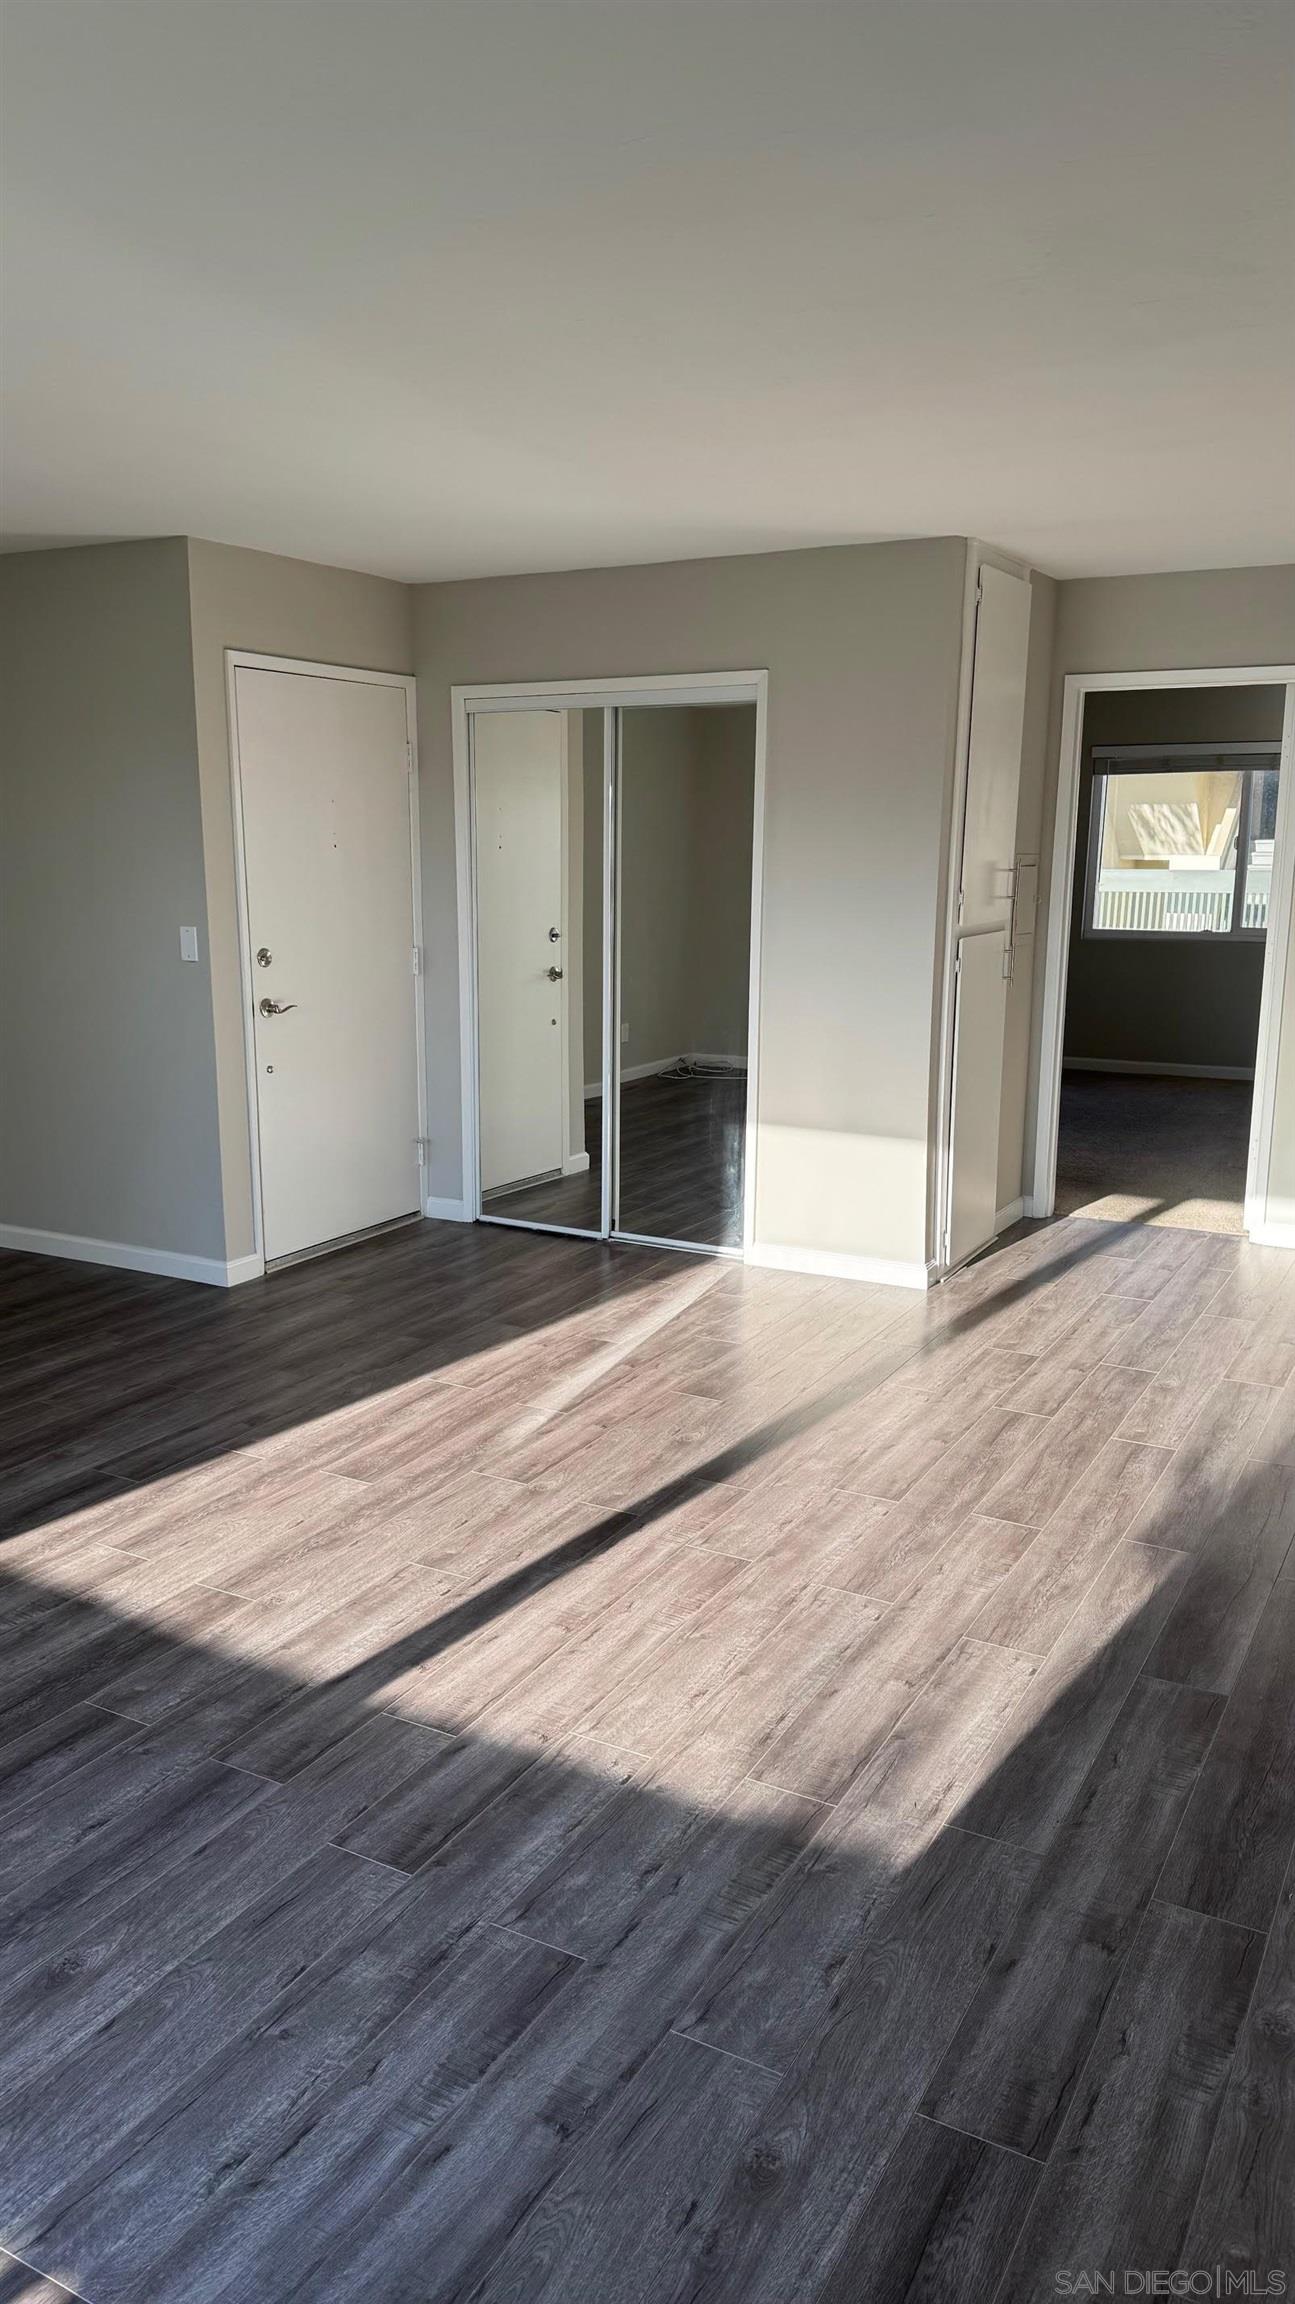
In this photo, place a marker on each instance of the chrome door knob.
(555, 935)
(554, 975)
(276, 1007)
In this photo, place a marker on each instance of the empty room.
(647, 1151)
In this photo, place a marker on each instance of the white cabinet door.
(984, 924)
(994, 750)
(980, 1015)
(324, 779)
(518, 772)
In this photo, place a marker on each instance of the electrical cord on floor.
(696, 1068)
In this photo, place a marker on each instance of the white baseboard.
(1011, 1214)
(1158, 1071)
(575, 1164)
(447, 1211)
(165, 1263)
(1271, 1235)
(827, 1264)
(634, 1072)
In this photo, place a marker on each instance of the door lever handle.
(554, 975)
(276, 1007)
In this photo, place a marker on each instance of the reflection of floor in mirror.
(1151, 1150)
(681, 1165)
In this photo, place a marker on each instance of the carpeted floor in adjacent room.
(1168, 1151)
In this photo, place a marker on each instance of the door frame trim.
(664, 688)
(1077, 687)
(244, 659)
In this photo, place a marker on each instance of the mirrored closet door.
(612, 859)
(683, 911)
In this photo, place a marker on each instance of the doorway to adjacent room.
(1162, 1002)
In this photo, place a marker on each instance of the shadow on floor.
(116, 1382)
(320, 1985)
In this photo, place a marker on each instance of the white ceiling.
(450, 289)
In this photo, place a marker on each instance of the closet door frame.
(609, 697)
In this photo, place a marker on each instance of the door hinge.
(409, 754)
(424, 1150)
(415, 960)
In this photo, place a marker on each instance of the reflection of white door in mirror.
(518, 770)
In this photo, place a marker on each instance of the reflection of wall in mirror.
(574, 1154)
(687, 809)
(592, 939)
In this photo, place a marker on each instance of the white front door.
(324, 777)
(519, 773)
(986, 865)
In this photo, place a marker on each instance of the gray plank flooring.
(552, 1775)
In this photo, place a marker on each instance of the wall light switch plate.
(188, 943)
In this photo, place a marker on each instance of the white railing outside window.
(1178, 904)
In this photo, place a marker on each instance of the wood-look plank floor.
(572, 1776)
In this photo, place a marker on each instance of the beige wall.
(1154, 623)
(1230, 616)
(719, 928)
(106, 1040)
(862, 646)
(1149, 1002)
(274, 607)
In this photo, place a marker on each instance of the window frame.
(1249, 760)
